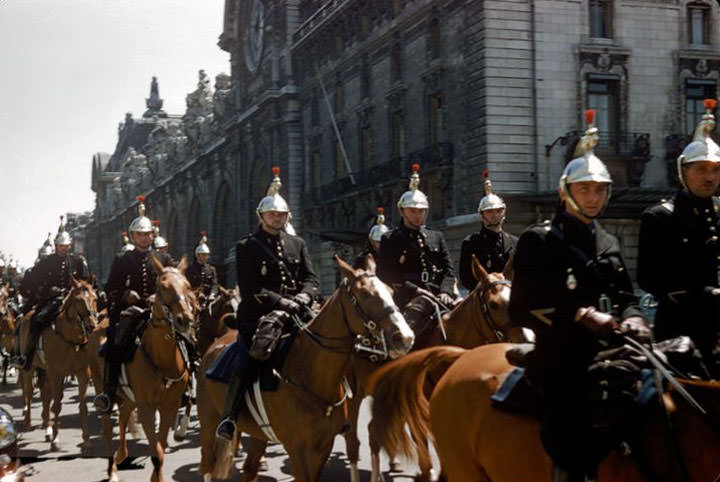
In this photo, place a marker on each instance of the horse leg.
(27, 390)
(123, 416)
(83, 380)
(107, 431)
(5, 366)
(45, 396)
(375, 473)
(427, 474)
(352, 443)
(54, 385)
(307, 461)
(146, 414)
(167, 417)
(183, 419)
(255, 451)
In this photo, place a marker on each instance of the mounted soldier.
(492, 246)
(276, 280)
(679, 253)
(49, 281)
(25, 289)
(130, 283)
(571, 287)
(202, 274)
(159, 243)
(374, 238)
(126, 245)
(414, 257)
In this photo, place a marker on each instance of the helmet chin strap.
(571, 204)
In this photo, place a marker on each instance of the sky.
(70, 70)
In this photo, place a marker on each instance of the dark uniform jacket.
(55, 271)
(559, 267)
(492, 250)
(420, 256)
(678, 263)
(133, 271)
(202, 276)
(269, 268)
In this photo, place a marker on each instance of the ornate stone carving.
(222, 105)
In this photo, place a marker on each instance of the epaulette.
(668, 204)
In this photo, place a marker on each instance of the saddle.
(422, 315)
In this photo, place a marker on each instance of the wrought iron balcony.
(396, 169)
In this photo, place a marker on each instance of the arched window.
(221, 224)
(194, 228)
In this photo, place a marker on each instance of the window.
(316, 168)
(340, 166)
(695, 92)
(365, 79)
(365, 147)
(436, 118)
(398, 134)
(698, 24)
(600, 18)
(396, 62)
(602, 95)
(434, 39)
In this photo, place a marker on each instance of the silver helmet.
(62, 237)
(490, 200)
(273, 201)
(202, 247)
(289, 228)
(47, 248)
(158, 241)
(141, 224)
(702, 147)
(379, 229)
(587, 166)
(414, 198)
(126, 244)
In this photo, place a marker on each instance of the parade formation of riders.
(570, 284)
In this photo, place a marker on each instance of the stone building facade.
(344, 95)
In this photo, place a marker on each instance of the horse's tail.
(398, 390)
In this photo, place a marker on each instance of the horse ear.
(158, 265)
(74, 281)
(183, 264)
(370, 265)
(478, 271)
(508, 271)
(345, 268)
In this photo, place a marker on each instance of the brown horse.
(303, 411)
(65, 352)
(8, 338)
(157, 375)
(481, 318)
(210, 326)
(478, 442)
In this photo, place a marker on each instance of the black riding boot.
(26, 360)
(227, 427)
(105, 400)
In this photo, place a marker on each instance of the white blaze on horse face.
(396, 318)
(505, 294)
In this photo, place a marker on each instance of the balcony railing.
(630, 145)
(430, 158)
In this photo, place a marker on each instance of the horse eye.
(494, 305)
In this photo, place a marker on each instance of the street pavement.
(181, 459)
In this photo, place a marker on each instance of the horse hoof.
(54, 446)
(114, 477)
(263, 465)
(48, 434)
(395, 466)
(86, 451)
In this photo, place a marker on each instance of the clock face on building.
(254, 38)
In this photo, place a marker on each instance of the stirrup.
(102, 403)
(221, 430)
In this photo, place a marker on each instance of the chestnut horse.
(478, 442)
(8, 338)
(157, 375)
(481, 318)
(210, 327)
(303, 412)
(64, 352)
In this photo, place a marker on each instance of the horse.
(481, 318)
(210, 326)
(8, 337)
(64, 352)
(158, 375)
(304, 412)
(476, 441)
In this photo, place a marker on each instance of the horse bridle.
(82, 320)
(487, 313)
(372, 328)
